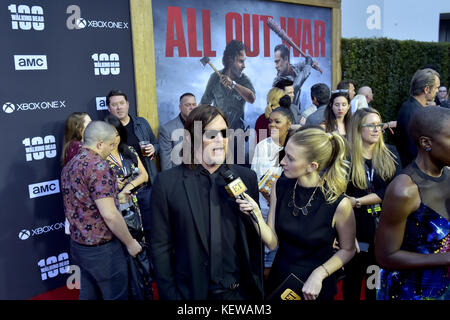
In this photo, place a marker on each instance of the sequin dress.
(426, 232)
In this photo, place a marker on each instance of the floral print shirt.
(83, 180)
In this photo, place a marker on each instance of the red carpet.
(65, 294)
(58, 294)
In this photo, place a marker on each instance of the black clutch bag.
(289, 289)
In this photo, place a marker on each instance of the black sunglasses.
(212, 134)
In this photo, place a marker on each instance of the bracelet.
(328, 274)
(132, 184)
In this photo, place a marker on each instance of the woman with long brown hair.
(73, 135)
(338, 113)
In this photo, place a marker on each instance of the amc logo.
(43, 188)
(29, 62)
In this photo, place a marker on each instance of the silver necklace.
(303, 209)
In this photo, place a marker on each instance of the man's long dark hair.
(205, 114)
(233, 48)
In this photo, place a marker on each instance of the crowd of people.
(325, 196)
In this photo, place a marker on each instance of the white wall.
(400, 19)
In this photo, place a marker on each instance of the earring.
(428, 149)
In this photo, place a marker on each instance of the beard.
(236, 72)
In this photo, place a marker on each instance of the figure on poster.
(233, 88)
(297, 73)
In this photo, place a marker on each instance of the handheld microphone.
(235, 187)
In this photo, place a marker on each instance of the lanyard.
(369, 173)
(124, 170)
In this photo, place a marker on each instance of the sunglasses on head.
(339, 91)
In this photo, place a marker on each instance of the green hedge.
(387, 66)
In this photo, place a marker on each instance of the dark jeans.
(104, 271)
(144, 207)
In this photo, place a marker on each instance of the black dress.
(305, 241)
(366, 223)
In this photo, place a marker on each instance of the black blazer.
(179, 245)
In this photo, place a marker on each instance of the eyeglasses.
(372, 126)
(212, 134)
(442, 90)
(340, 91)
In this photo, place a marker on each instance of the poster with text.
(186, 31)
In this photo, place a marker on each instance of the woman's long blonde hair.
(273, 100)
(328, 150)
(383, 160)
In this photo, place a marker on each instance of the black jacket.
(179, 245)
(406, 147)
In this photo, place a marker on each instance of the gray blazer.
(317, 117)
(166, 144)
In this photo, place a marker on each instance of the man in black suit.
(423, 89)
(202, 246)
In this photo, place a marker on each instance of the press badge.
(374, 210)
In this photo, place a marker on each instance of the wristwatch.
(233, 84)
(358, 203)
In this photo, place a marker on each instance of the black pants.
(355, 271)
(226, 294)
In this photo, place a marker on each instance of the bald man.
(367, 92)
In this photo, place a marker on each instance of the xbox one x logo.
(24, 234)
(8, 107)
(81, 23)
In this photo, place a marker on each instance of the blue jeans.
(104, 271)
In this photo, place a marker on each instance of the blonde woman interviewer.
(308, 209)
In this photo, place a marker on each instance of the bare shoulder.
(401, 199)
(403, 188)
(344, 205)
(343, 211)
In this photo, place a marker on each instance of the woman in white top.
(266, 162)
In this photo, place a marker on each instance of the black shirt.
(182, 120)
(365, 222)
(229, 226)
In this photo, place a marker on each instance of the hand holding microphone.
(249, 206)
(236, 189)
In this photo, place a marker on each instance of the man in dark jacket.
(424, 86)
(138, 129)
(202, 246)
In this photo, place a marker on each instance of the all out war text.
(309, 35)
